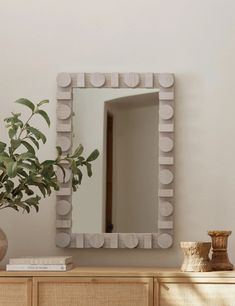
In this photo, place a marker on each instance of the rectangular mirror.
(121, 196)
(128, 202)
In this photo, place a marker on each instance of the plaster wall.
(191, 38)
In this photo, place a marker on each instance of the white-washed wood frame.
(163, 237)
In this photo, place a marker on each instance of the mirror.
(121, 196)
(129, 200)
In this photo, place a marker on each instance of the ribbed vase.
(220, 259)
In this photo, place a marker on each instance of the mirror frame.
(165, 83)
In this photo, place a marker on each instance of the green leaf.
(73, 167)
(39, 135)
(80, 161)
(48, 162)
(28, 147)
(22, 172)
(36, 179)
(26, 155)
(33, 200)
(2, 146)
(27, 166)
(42, 102)
(27, 103)
(2, 194)
(42, 189)
(28, 191)
(79, 150)
(59, 150)
(5, 158)
(89, 171)
(15, 143)
(12, 169)
(44, 115)
(74, 184)
(9, 185)
(94, 155)
(79, 176)
(12, 132)
(34, 141)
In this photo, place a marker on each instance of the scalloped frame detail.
(163, 237)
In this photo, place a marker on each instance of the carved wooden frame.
(163, 238)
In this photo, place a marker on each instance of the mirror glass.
(121, 196)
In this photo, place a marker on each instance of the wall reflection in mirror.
(121, 196)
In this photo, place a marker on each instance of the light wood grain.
(166, 274)
(188, 294)
(120, 286)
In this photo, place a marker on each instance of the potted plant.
(24, 179)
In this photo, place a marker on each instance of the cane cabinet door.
(99, 291)
(15, 291)
(197, 292)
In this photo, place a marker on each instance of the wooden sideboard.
(117, 287)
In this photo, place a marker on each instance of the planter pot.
(220, 260)
(3, 244)
(196, 256)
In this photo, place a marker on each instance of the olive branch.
(22, 176)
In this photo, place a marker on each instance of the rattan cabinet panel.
(94, 291)
(15, 292)
(190, 293)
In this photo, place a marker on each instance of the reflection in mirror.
(121, 197)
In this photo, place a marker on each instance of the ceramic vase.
(220, 259)
(196, 256)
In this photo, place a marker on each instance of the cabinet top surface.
(119, 272)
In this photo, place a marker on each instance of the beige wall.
(192, 38)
